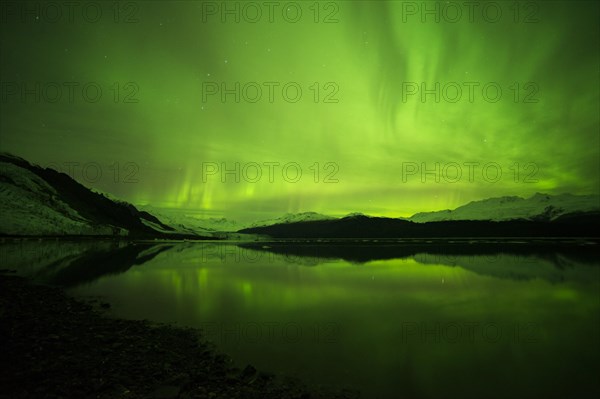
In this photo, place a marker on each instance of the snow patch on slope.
(291, 218)
(188, 223)
(537, 207)
(30, 206)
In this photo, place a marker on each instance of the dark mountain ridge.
(94, 207)
(572, 225)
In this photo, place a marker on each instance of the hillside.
(540, 207)
(575, 225)
(43, 202)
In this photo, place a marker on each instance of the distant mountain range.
(36, 201)
(540, 207)
(584, 224)
(292, 218)
(188, 222)
(538, 216)
(43, 202)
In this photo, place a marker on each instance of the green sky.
(367, 133)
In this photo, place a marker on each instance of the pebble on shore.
(54, 346)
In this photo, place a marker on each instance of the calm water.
(389, 320)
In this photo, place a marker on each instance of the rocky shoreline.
(55, 346)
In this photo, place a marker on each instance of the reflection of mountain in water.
(554, 267)
(70, 263)
(505, 260)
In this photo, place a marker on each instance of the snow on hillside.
(355, 214)
(189, 223)
(538, 207)
(291, 218)
(30, 206)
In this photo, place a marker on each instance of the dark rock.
(166, 392)
(54, 346)
(249, 374)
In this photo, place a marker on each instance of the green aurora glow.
(370, 54)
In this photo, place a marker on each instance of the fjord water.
(422, 322)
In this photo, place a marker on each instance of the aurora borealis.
(152, 101)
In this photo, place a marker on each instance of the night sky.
(362, 129)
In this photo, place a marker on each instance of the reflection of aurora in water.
(382, 325)
(378, 54)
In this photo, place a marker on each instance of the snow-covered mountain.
(189, 222)
(38, 201)
(291, 218)
(30, 206)
(538, 207)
